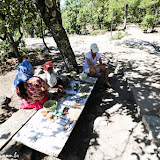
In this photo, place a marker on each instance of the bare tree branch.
(20, 34)
(3, 38)
(43, 37)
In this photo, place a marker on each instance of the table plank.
(50, 137)
(10, 127)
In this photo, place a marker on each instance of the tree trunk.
(125, 20)
(13, 43)
(50, 12)
(99, 23)
(92, 14)
(112, 22)
(14, 46)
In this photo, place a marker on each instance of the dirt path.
(109, 128)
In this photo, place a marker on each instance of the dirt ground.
(110, 127)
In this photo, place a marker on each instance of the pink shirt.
(36, 88)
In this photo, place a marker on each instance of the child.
(54, 82)
(52, 79)
(51, 75)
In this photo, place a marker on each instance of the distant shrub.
(148, 21)
(118, 35)
(95, 32)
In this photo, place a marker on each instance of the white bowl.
(83, 76)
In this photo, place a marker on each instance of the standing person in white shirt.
(90, 62)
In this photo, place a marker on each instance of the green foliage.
(99, 14)
(70, 14)
(95, 32)
(118, 35)
(147, 3)
(78, 16)
(19, 16)
(82, 20)
(24, 51)
(148, 21)
(150, 9)
(4, 45)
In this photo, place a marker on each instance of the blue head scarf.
(24, 72)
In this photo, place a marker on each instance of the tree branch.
(20, 34)
(4, 38)
(43, 37)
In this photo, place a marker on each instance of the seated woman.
(52, 79)
(33, 90)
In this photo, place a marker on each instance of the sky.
(62, 3)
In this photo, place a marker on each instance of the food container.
(49, 116)
(83, 76)
(50, 105)
(44, 113)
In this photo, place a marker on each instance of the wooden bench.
(41, 134)
(10, 127)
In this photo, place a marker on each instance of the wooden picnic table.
(40, 134)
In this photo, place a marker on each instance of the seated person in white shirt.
(90, 66)
(52, 79)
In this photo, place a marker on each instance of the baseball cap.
(94, 48)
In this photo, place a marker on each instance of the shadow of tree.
(146, 89)
(142, 45)
(7, 113)
(83, 134)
